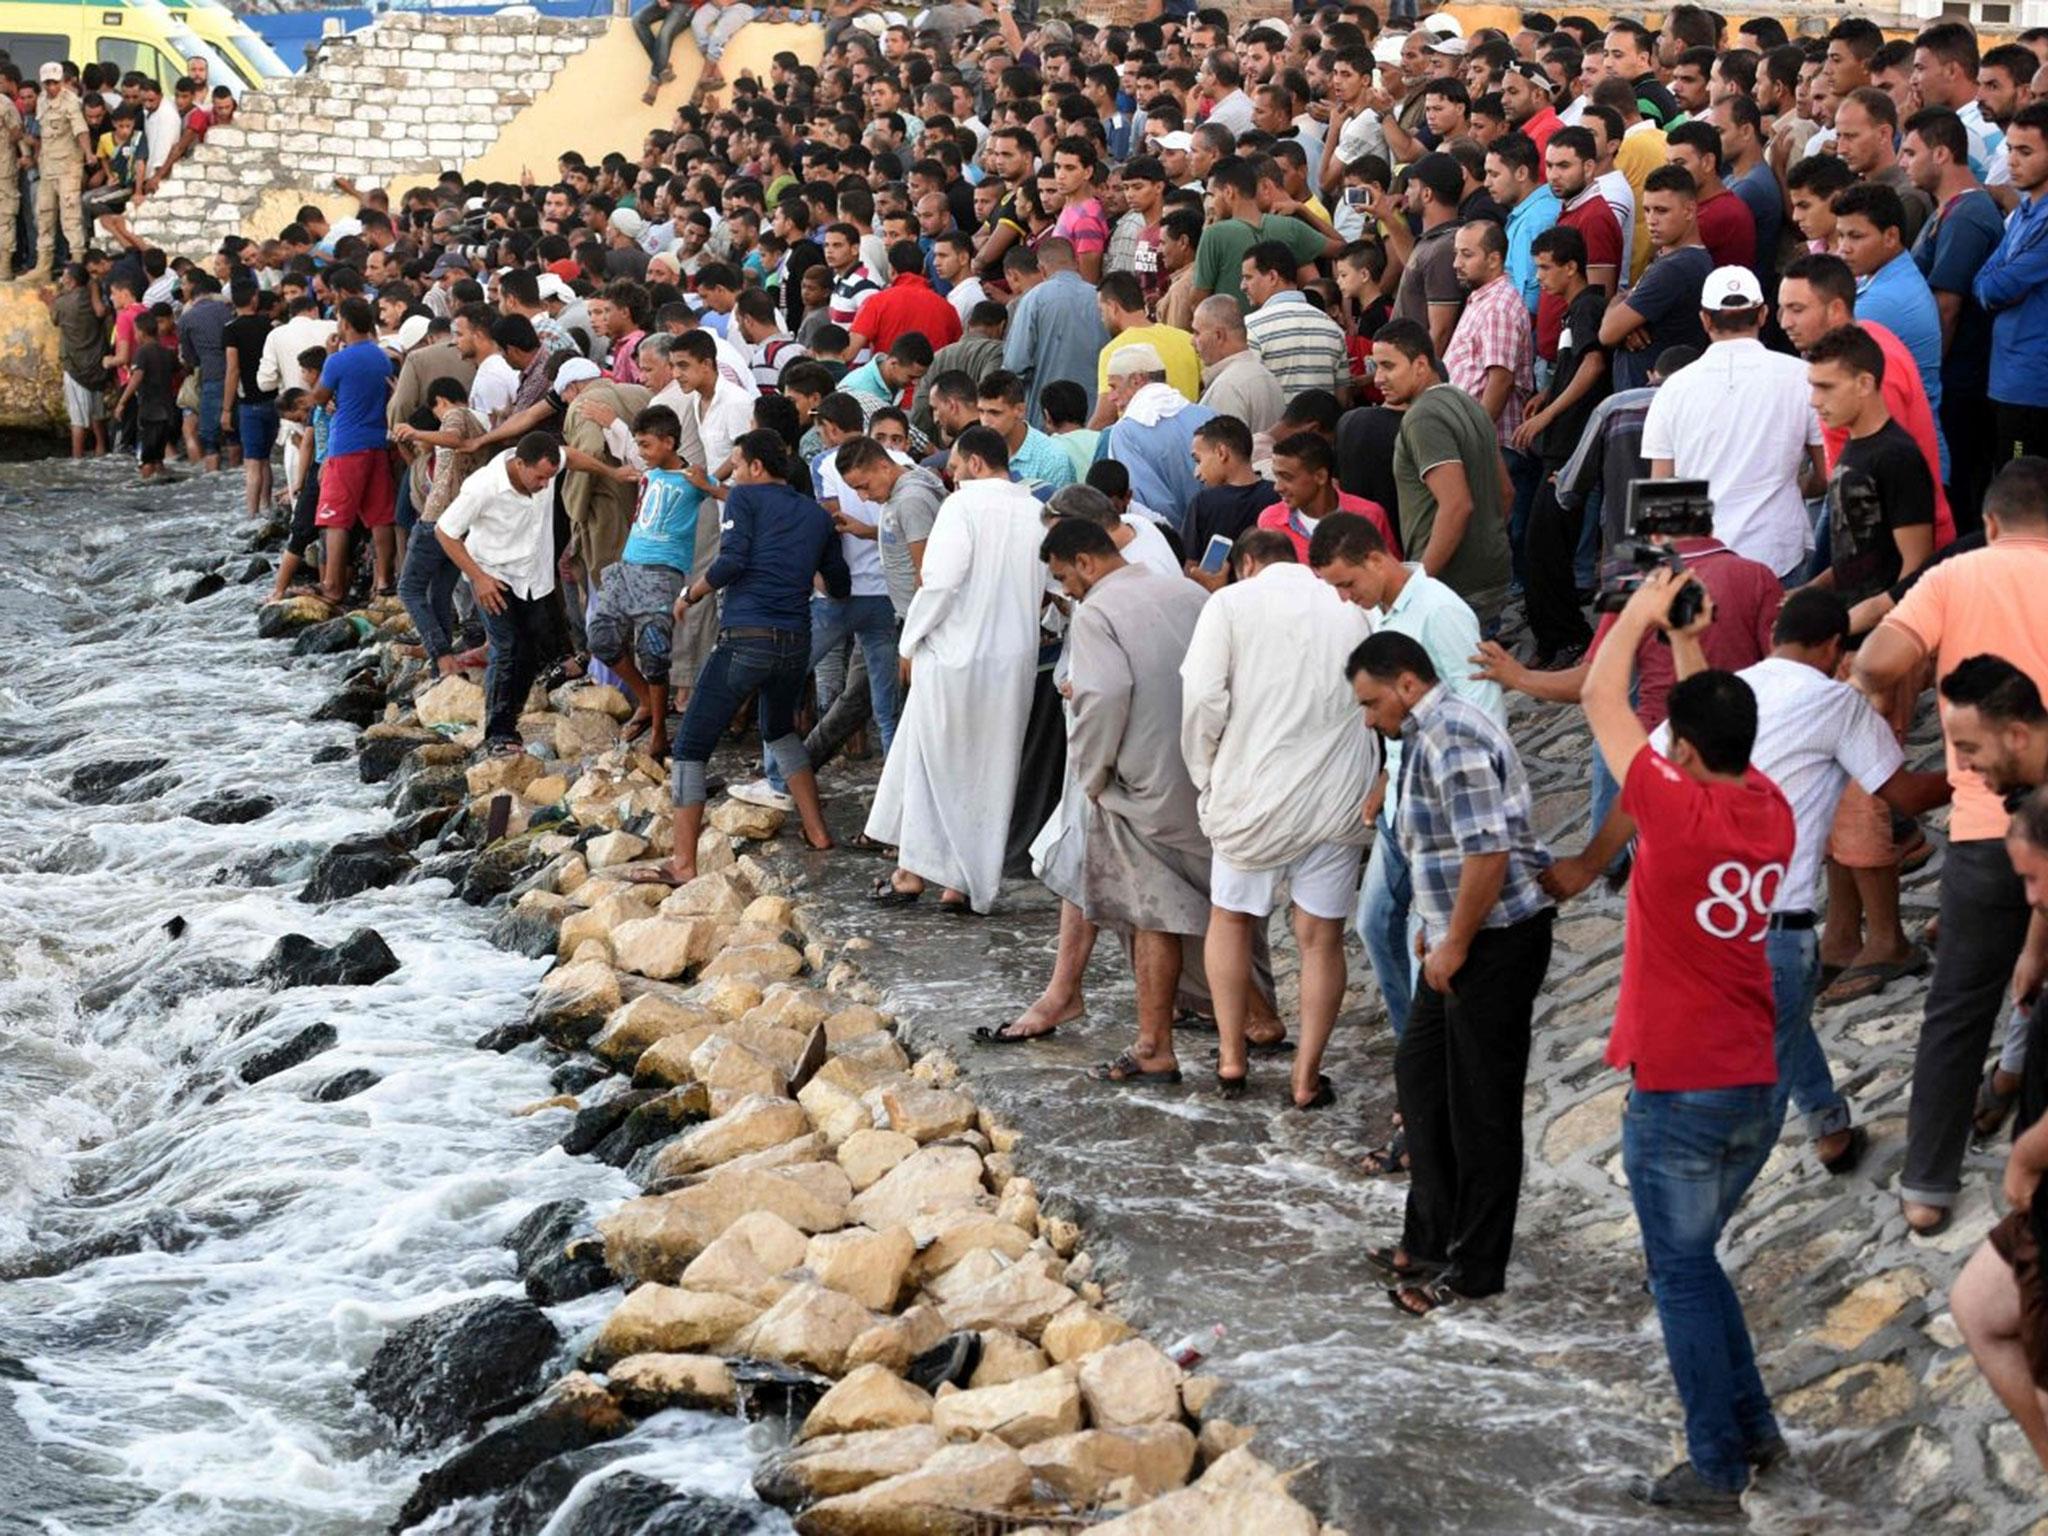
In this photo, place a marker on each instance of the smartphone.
(1216, 555)
(1358, 197)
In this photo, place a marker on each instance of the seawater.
(202, 1383)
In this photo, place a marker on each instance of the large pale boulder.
(717, 894)
(655, 1236)
(746, 1259)
(871, 1397)
(452, 701)
(937, 1178)
(928, 1114)
(810, 1326)
(1130, 1383)
(735, 818)
(1080, 1468)
(1022, 1299)
(733, 1072)
(833, 1465)
(730, 997)
(934, 1500)
(668, 1059)
(752, 1125)
(1021, 1412)
(644, 1022)
(1081, 1330)
(665, 1319)
(867, 1155)
(508, 774)
(572, 999)
(783, 1005)
(758, 963)
(649, 1383)
(612, 848)
(897, 1341)
(851, 1023)
(867, 1265)
(945, 1237)
(838, 1112)
(661, 947)
(1238, 1494)
(1006, 1358)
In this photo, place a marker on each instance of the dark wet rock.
(653, 1123)
(633, 1504)
(205, 586)
(345, 1086)
(175, 926)
(595, 1122)
(333, 752)
(163, 983)
(357, 864)
(530, 1503)
(577, 1414)
(575, 1076)
(12, 1369)
(355, 703)
(499, 867)
(269, 534)
(430, 788)
(255, 568)
(557, 1254)
(452, 1369)
(421, 828)
(231, 807)
(768, 1389)
(953, 1359)
(527, 931)
(330, 638)
(104, 783)
(235, 1026)
(282, 865)
(304, 1046)
(360, 959)
(160, 1231)
(382, 748)
(508, 1037)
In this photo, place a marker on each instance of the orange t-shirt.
(1987, 602)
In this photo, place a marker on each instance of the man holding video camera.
(1694, 1025)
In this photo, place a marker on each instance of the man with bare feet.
(773, 543)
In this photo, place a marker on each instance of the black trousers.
(1460, 1070)
(1549, 580)
(1984, 917)
(1970, 427)
(2022, 430)
(522, 636)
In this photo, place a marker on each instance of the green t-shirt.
(1219, 259)
(1448, 426)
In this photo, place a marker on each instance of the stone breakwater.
(830, 1230)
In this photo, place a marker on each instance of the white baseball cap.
(1177, 140)
(1731, 288)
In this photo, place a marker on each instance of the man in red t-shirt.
(1571, 165)
(1727, 227)
(1694, 1027)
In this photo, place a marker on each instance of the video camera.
(1668, 509)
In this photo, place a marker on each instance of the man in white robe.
(1283, 777)
(971, 643)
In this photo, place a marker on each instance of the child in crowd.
(632, 625)
(305, 495)
(153, 387)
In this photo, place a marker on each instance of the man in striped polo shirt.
(1300, 345)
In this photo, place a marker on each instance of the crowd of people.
(1155, 441)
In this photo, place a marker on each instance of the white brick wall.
(415, 93)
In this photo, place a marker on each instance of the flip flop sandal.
(1861, 981)
(860, 842)
(1388, 1162)
(1988, 1116)
(1231, 1087)
(1933, 1228)
(1916, 853)
(1420, 1299)
(983, 1035)
(958, 908)
(1845, 1161)
(1324, 1096)
(1187, 1018)
(650, 875)
(1126, 1069)
(885, 893)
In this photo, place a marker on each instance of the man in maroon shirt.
(1694, 1028)
(1572, 165)
(1727, 227)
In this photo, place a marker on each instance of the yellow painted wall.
(1799, 21)
(31, 383)
(593, 104)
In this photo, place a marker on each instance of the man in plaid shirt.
(1466, 829)
(1492, 354)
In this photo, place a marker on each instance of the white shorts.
(1323, 883)
(83, 406)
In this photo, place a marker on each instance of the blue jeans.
(772, 664)
(211, 393)
(1383, 924)
(1803, 1076)
(658, 30)
(426, 585)
(872, 621)
(1526, 471)
(1690, 1158)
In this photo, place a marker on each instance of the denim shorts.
(256, 424)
